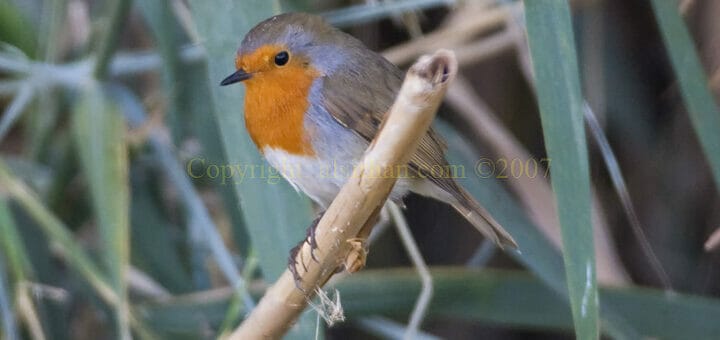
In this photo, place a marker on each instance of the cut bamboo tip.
(359, 200)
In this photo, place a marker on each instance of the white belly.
(320, 180)
(308, 174)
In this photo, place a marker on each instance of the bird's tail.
(481, 219)
(448, 191)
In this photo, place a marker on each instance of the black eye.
(282, 58)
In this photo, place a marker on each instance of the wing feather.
(363, 110)
(375, 83)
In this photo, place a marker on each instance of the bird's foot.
(292, 265)
(310, 236)
(295, 252)
(357, 256)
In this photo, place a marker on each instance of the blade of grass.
(199, 217)
(20, 269)
(360, 14)
(275, 216)
(66, 246)
(52, 20)
(159, 16)
(138, 63)
(13, 60)
(16, 107)
(155, 253)
(7, 313)
(44, 114)
(388, 329)
(552, 49)
(613, 168)
(704, 113)
(11, 243)
(29, 313)
(517, 299)
(503, 297)
(43, 260)
(186, 86)
(196, 100)
(537, 253)
(16, 29)
(57, 232)
(188, 315)
(99, 131)
(118, 9)
(425, 297)
(202, 221)
(39, 124)
(159, 251)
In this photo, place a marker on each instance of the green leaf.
(16, 29)
(15, 109)
(7, 312)
(704, 113)
(536, 252)
(517, 299)
(505, 297)
(108, 39)
(158, 252)
(11, 243)
(275, 215)
(186, 86)
(99, 131)
(360, 14)
(65, 245)
(168, 37)
(552, 49)
(14, 266)
(57, 233)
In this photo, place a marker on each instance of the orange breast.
(275, 106)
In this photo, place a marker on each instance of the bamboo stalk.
(359, 200)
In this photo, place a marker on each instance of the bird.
(316, 97)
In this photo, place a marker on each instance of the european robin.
(317, 96)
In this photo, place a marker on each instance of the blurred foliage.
(111, 224)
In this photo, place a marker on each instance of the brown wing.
(375, 83)
(364, 108)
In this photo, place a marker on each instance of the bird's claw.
(292, 265)
(294, 252)
(357, 256)
(310, 237)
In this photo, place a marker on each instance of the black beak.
(239, 75)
